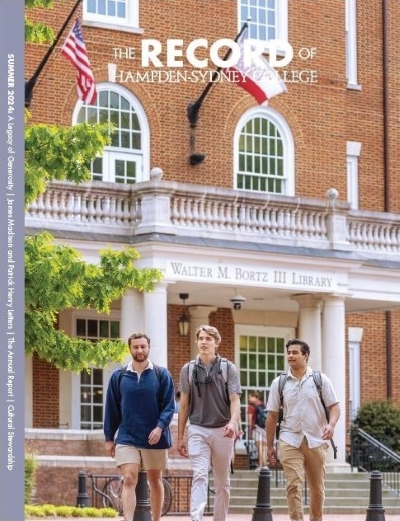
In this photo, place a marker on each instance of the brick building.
(293, 206)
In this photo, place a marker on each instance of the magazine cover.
(170, 164)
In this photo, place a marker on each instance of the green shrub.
(30, 475)
(49, 510)
(94, 512)
(381, 419)
(67, 511)
(80, 512)
(108, 512)
(33, 511)
(88, 512)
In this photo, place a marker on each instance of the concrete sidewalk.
(245, 517)
(285, 517)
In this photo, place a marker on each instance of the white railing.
(248, 217)
(378, 232)
(65, 206)
(206, 211)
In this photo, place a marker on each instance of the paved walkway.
(248, 517)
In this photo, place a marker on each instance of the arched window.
(264, 153)
(126, 160)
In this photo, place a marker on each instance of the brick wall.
(64, 445)
(59, 485)
(178, 346)
(376, 369)
(45, 389)
(394, 363)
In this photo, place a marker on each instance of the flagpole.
(30, 84)
(193, 108)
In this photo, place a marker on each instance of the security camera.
(237, 301)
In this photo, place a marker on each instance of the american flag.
(74, 49)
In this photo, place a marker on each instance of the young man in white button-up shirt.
(305, 433)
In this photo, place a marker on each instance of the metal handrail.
(368, 454)
(377, 443)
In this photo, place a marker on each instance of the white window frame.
(130, 23)
(282, 20)
(142, 156)
(284, 332)
(288, 145)
(353, 153)
(351, 45)
(92, 404)
(109, 158)
(114, 315)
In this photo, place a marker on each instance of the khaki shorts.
(148, 459)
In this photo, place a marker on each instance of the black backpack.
(261, 415)
(318, 383)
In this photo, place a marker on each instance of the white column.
(198, 317)
(131, 313)
(131, 316)
(155, 323)
(310, 326)
(334, 366)
(155, 210)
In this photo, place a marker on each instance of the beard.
(140, 357)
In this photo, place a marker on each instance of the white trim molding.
(351, 45)
(355, 335)
(353, 153)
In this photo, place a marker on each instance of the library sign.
(270, 277)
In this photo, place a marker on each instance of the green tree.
(56, 276)
(37, 32)
(56, 279)
(60, 153)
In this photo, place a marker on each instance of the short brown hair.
(304, 348)
(138, 335)
(210, 330)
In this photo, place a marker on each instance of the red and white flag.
(74, 49)
(258, 78)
